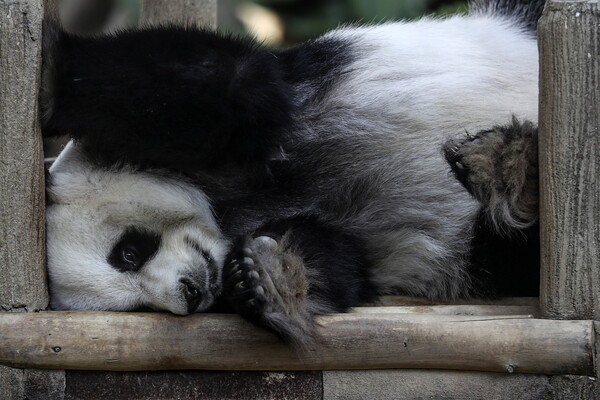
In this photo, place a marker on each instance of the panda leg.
(499, 167)
(281, 280)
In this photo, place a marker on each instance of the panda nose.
(192, 294)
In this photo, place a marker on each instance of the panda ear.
(168, 97)
(48, 180)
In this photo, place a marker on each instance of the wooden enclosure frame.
(508, 337)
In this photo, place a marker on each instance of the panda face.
(121, 239)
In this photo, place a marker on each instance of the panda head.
(120, 239)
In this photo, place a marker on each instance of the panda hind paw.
(499, 168)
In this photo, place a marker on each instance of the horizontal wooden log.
(401, 301)
(153, 341)
(467, 309)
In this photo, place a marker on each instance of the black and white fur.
(297, 182)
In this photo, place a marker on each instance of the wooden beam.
(402, 301)
(22, 224)
(522, 311)
(152, 341)
(569, 43)
(195, 12)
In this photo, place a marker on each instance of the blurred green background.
(276, 22)
(299, 20)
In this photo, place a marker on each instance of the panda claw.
(234, 275)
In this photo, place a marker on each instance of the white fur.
(413, 86)
(91, 209)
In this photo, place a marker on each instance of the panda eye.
(129, 256)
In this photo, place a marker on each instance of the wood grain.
(523, 311)
(569, 45)
(22, 225)
(402, 301)
(152, 341)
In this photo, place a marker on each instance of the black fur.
(502, 266)
(499, 168)
(528, 12)
(299, 269)
(336, 257)
(316, 65)
(208, 99)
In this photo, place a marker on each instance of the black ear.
(172, 97)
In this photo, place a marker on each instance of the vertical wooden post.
(22, 227)
(197, 12)
(22, 238)
(569, 44)
(570, 159)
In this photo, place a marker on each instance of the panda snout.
(192, 293)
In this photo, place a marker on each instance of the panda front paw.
(499, 168)
(266, 283)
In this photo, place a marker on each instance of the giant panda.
(208, 171)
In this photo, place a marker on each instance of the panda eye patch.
(133, 249)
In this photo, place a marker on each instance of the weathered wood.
(22, 227)
(523, 311)
(569, 43)
(22, 233)
(401, 301)
(194, 12)
(149, 341)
